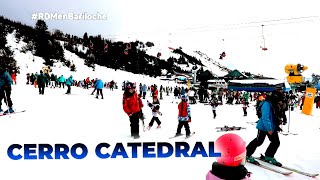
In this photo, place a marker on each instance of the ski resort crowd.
(270, 107)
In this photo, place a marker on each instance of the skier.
(14, 77)
(155, 106)
(132, 105)
(184, 116)
(41, 80)
(144, 91)
(175, 94)
(5, 89)
(53, 81)
(69, 82)
(94, 90)
(233, 157)
(214, 104)
(62, 81)
(267, 126)
(245, 105)
(99, 86)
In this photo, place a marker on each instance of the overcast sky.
(179, 23)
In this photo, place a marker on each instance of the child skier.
(184, 116)
(155, 106)
(233, 157)
(214, 104)
(245, 105)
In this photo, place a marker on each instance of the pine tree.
(6, 55)
(42, 42)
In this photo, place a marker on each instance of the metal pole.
(289, 118)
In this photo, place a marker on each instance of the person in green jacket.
(41, 80)
(69, 82)
(5, 90)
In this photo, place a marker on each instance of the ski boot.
(136, 137)
(148, 128)
(10, 110)
(250, 159)
(158, 127)
(270, 160)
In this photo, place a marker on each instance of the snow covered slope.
(55, 118)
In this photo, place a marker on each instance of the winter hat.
(129, 85)
(183, 97)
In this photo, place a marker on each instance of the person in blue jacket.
(266, 127)
(99, 86)
(5, 89)
(69, 82)
(62, 81)
(144, 91)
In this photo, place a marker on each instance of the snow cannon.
(294, 71)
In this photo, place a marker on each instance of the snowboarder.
(132, 105)
(5, 89)
(233, 158)
(184, 116)
(155, 106)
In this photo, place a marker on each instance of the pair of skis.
(277, 170)
(193, 133)
(15, 112)
(229, 128)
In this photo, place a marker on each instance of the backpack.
(258, 110)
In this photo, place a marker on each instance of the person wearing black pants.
(258, 141)
(99, 86)
(184, 116)
(186, 127)
(134, 124)
(155, 106)
(41, 80)
(132, 105)
(267, 126)
(5, 89)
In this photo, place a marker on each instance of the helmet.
(232, 149)
(129, 85)
(183, 97)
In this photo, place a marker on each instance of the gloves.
(129, 114)
(189, 119)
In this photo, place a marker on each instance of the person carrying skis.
(267, 126)
(5, 90)
(233, 158)
(132, 105)
(184, 116)
(155, 106)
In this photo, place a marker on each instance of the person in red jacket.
(132, 105)
(14, 77)
(184, 116)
